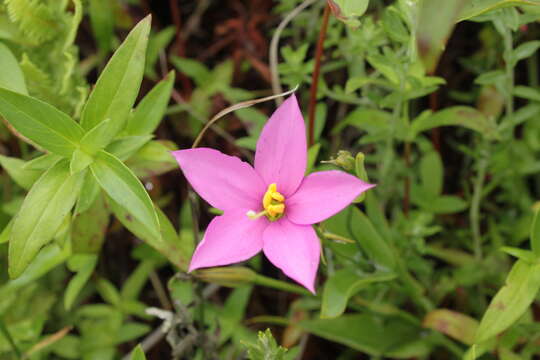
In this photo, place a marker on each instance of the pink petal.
(224, 181)
(281, 154)
(229, 238)
(323, 194)
(295, 249)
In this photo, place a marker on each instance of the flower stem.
(315, 76)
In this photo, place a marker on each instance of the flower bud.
(344, 160)
(231, 276)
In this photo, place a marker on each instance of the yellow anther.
(277, 209)
(273, 203)
(277, 196)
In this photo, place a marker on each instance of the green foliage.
(266, 348)
(433, 262)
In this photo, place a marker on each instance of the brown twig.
(316, 74)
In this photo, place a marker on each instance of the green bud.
(344, 160)
(232, 276)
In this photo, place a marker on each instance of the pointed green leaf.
(42, 162)
(16, 169)
(151, 109)
(138, 353)
(89, 191)
(124, 147)
(79, 161)
(465, 116)
(123, 187)
(512, 300)
(40, 122)
(366, 333)
(11, 76)
(118, 85)
(98, 137)
(343, 284)
(77, 282)
(42, 212)
(431, 172)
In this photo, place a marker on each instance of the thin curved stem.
(274, 45)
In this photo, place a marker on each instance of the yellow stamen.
(273, 203)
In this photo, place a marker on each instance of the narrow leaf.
(11, 76)
(42, 212)
(123, 187)
(119, 83)
(512, 300)
(151, 109)
(40, 122)
(98, 137)
(342, 285)
(138, 353)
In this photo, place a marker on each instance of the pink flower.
(272, 206)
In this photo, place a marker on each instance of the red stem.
(315, 78)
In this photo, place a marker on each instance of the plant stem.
(508, 48)
(474, 212)
(315, 78)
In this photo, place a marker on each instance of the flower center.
(273, 203)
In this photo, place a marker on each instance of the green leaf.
(40, 122)
(89, 191)
(177, 250)
(42, 162)
(452, 323)
(512, 300)
(465, 116)
(80, 160)
(6, 232)
(138, 353)
(435, 24)
(84, 271)
(524, 51)
(118, 85)
(313, 152)
(125, 147)
(153, 159)
(88, 228)
(151, 109)
(366, 333)
(98, 137)
(102, 21)
(16, 169)
(42, 212)
(348, 10)
(343, 284)
(526, 92)
(431, 172)
(47, 259)
(266, 348)
(192, 68)
(478, 7)
(353, 224)
(157, 43)
(11, 76)
(108, 292)
(535, 234)
(123, 187)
